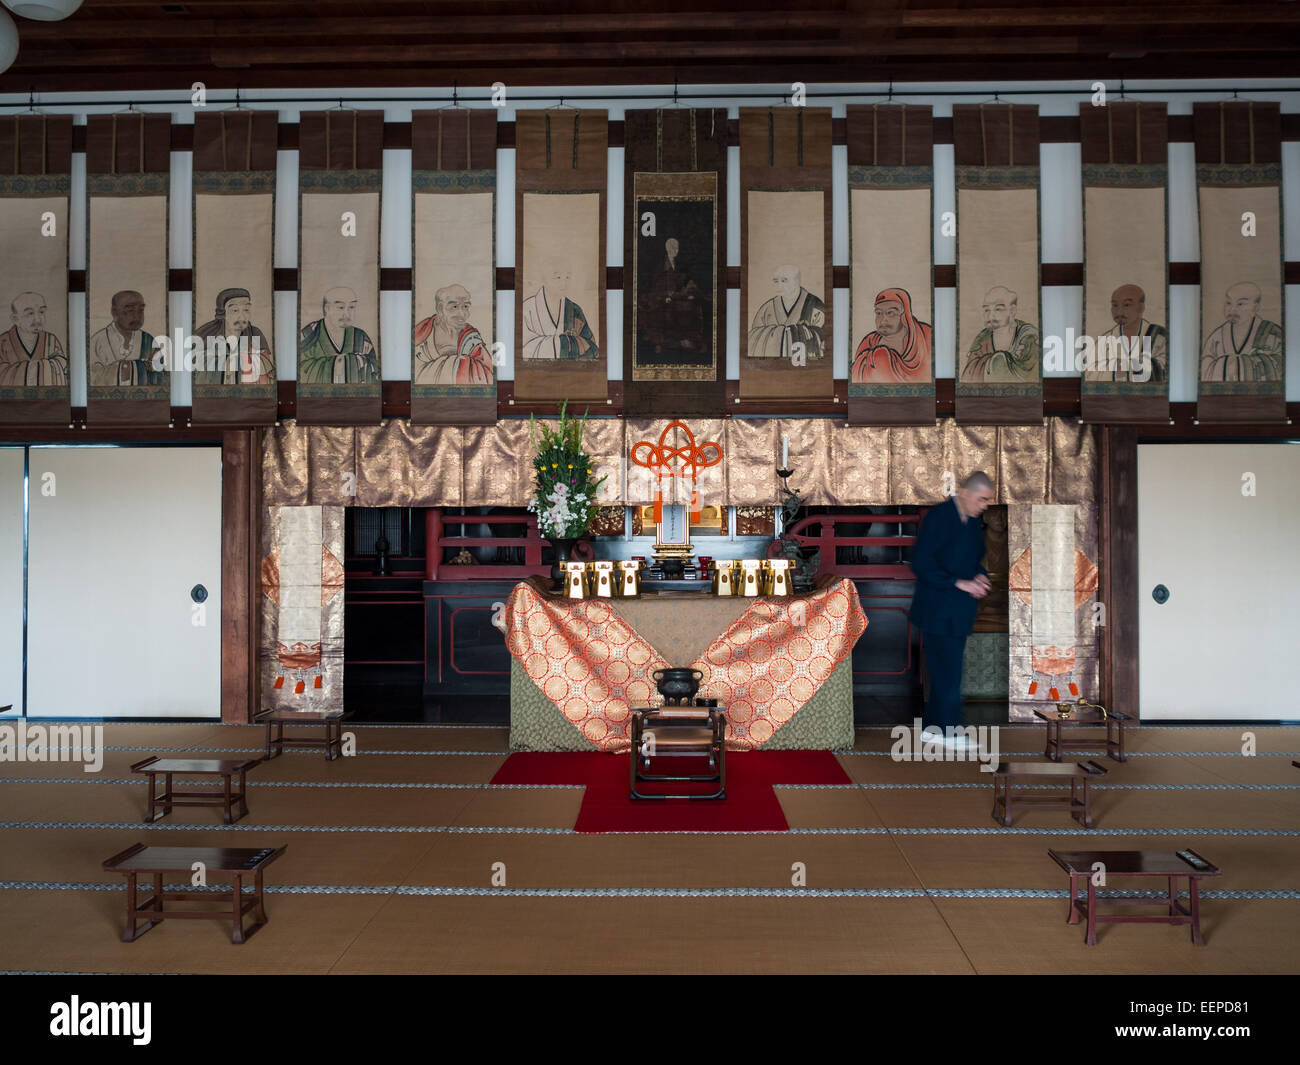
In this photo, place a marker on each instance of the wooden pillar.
(241, 489)
(1119, 524)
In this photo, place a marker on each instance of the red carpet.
(750, 805)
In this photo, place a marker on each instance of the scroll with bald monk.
(455, 351)
(128, 361)
(1122, 355)
(234, 290)
(999, 367)
(339, 361)
(35, 160)
(1242, 347)
(891, 242)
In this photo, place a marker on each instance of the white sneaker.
(932, 734)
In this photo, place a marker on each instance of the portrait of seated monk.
(232, 319)
(1133, 332)
(1006, 349)
(122, 352)
(1245, 347)
(448, 349)
(331, 350)
(793, 316)
(899, 348)
(30, 355)
(673, 312)
(554, 326)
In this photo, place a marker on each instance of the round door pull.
(1160, 594)
(198, 593)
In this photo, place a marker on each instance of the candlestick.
(785, 452)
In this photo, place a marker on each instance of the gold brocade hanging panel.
(340, 160)
(233, 372)
(1124, 351)
(785, 254)
(891, 252)
(127, 185)
(675, 262)
(1052, 620)
(454, 348)
(301, 580)
(35, 162)
(561, 176)
(1242, 365)
(999, 312)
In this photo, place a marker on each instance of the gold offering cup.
(575, 579)
(724, 577)
(751, 576)
(776, 576)
(629, 578)
(601, 576)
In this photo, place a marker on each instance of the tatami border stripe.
(669, 893)
(140, 782)
(501, 830)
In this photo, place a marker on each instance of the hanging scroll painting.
(675, 257)
(560, 329)
(1242, 365)
(340, 174)
(35, 162)
(454, 350)
(786, 281)
(1123, 355)
(891, 242)
(999, 313)
(127, 354)
(233, 364)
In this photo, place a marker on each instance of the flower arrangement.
(565, 497)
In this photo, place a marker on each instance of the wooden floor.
(392, 852)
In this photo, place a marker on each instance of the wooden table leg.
(129, 934)
(1047, 747)
(243, 793)
(1091, 939)
(153, 785)
(1073, 917)
(237, 893)
(269, 754)
(1173, 896)
(1194, 891)
(167, 795)
(260, 912)
(228, 817)
(1087, 807)
(1120, 756)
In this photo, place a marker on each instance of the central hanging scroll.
(1125, 348)
(234, 289)
(999, 312)
(341, 155)
(891, 242)
(785, 245)
(35, 163)
(127, 184)
(561, 178)
(453, 347)
(675, 280)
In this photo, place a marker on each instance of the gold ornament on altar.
(777, 573)
(724, 577)
(601, 576)
(751, 576)
(629, 578)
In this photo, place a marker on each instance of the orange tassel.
(1054, 693)
(299, 688)
(1033, 687)
(279, 682)
(317, 684)
(1074, 688)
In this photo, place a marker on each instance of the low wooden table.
(1165, 864)
(276, 742)
(1114, 724)
(1044, 772)
(679, 731)
(159, 861)
(195, 767)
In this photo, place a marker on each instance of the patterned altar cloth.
(771, 661)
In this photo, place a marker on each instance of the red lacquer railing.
(435, 525)
(828, 540)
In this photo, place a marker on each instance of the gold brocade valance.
(399, 465)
